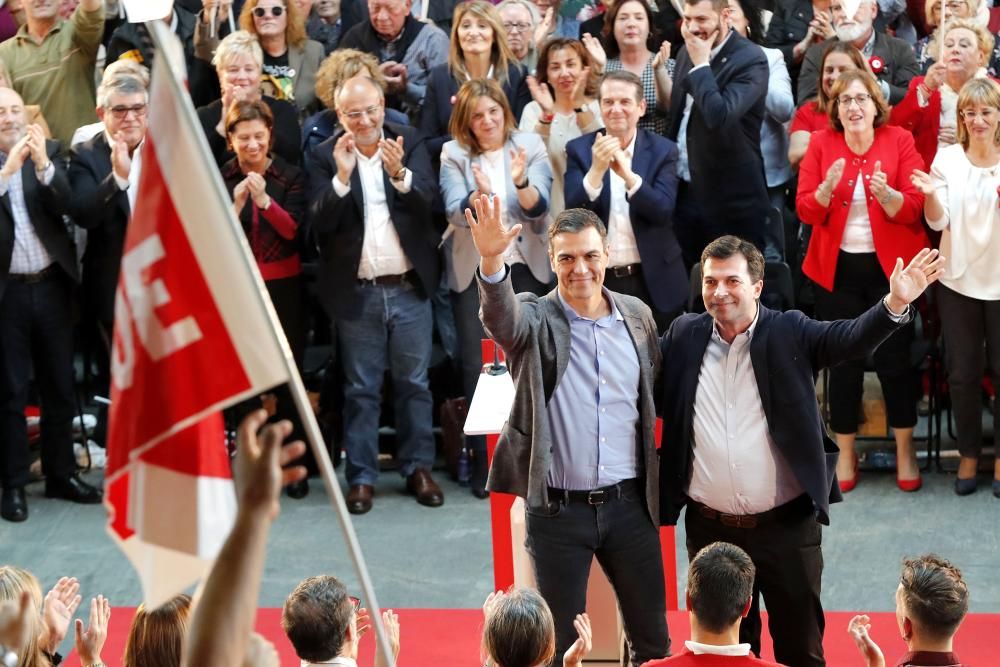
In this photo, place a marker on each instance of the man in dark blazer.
(579, 443)
(744, 446)
(37, 276)
(891, 59)
(372, 189)
(636, 171)
(717, 108)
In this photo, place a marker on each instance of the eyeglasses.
(985, 114)
(516, 27)
(860, 99)
(122, 112)
(261, 12)
(355, 602)
(370, 112)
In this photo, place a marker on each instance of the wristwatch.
(399, 175)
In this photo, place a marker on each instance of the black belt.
(796, 508)
(596, 496)
(625, 271)
(31, 278)
(391, 280)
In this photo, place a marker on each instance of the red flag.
(192, 336)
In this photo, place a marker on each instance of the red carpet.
(450, 638)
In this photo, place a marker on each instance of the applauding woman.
(855, 190)
(489, 157)
(563, 107)
(962, 202)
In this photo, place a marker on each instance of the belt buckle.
(737, 521)
(597, 498)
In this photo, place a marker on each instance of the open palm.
(489, 234)
(906, 284)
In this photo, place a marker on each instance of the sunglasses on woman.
(261, 12)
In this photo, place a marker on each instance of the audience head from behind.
(156, 637)
(622, 104)
(341, 66)
(732, 278)
(719, 590)
(481, 120)
(123, 102)
(519, 630)
(13, 120)
(13, 582)
(321, 620)
(932, 599)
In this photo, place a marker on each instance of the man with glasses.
(892, 59)
(520, 18)
(104, 174)
(51, 62)
(372, 188)
(324, 624)
(37, 273)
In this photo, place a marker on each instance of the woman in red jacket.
(855, 190)
(928, 110)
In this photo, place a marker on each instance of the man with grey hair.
(520, 18)
(892, 59)
(104, 174)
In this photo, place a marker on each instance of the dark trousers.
(465, 306)
(635, 285)
(696, 228)
(859, 284)
(789, 560)
(562, 545)
(967, 324)
(36, 331)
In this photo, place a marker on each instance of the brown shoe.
(422, 485)
(359, 498)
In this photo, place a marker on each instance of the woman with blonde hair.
(928, 49)
(962, 199)
(157, 636)
(478, 50)
(13, 582)
(928, 110)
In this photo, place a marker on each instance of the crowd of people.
(393, 162)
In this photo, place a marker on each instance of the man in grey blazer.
(578, 444)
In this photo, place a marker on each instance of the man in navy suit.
(717, 107)
(744, 446)
(628, 177)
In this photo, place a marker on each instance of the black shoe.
(73, 489)
(14, 505)
(298, 490)
(480, 470)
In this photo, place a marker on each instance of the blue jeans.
(394, 332)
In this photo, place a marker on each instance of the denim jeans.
(393, 331)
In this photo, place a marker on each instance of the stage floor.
(450, 638)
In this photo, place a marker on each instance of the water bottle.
(464, 467)
(881, 459)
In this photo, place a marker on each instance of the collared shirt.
(710, 649)
(57, 73)
(623, 247)
(130, 184)
(929, 659)
(493, 165)
(594, 410)
(683, 168)
(382, 252)
(344, 662)
(737, 468)
(30, 255)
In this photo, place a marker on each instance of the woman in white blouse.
(563, 105)
(963, 201)
(489, 156)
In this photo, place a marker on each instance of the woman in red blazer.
(855, 190)
(929, 108)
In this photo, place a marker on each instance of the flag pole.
(168, 48)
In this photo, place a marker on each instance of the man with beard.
(891, 58)
(716, 111)
(37, 272)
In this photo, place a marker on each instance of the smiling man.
(51, 62)
(892, 59)
(744, 446)
(578, 445)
